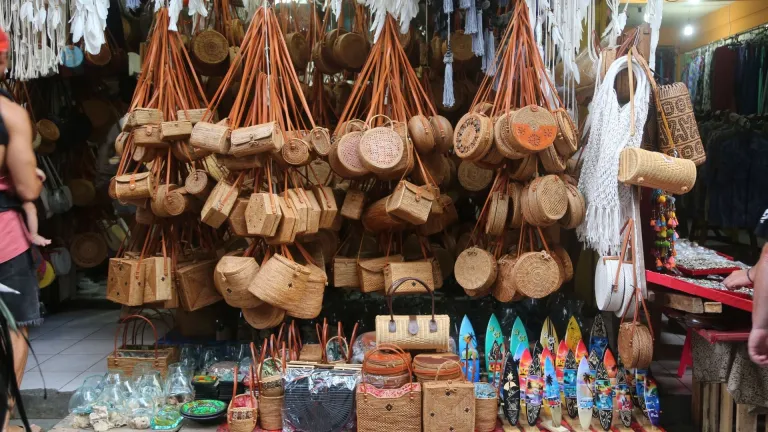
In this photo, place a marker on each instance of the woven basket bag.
(524, 169)
(376, 218)
(656, 170)
(564, 262)
(546, 200)
(232, 276)
(536, 274)
(475, 270)
(486, 412)
(533, 129)
(422, 134)
(350, 50)
(501, 131)
(353, 205)
(442, 131)
(264, 316)
(133, 186)
(449, 405)
(381, 149)
(388, 409)
(263, 214)
(552, 161)
(421, 270)
(497, 214)
(371, 272)
(244, 418)
(271, 412)
(473, 136)
(410, 202)
(567, 139)
(577, 208)
(515, 191)
(635, 345)
(504, 290)
(281, 282)
(474, 178)
(493, 159)
(344, 156)
(436, 367)
(312, 301)
(675, 114)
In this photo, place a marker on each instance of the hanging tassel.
(478, 45)
(173, 14)
(490, 54)
(447, 6)
(448, 98)
(470, 21)
(465, 4)
(132, 4)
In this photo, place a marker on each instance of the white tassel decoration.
(478, 44)
(448, 97)
(174, 9)
(465, 4)
(470, 22)
(448, 6)
(490, 54)
(133, 4)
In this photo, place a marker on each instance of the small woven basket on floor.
(486, 413)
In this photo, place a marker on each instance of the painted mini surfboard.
(534, 390)
(653, 409)
(552, 390)
(523, 366)
(494, 351)
(562, 353)
(572, 334)
(593, 361)
(510, 390)
(470, 359)
(546, 354)
(623, 398)
(604, 397)
(609, 361)
(584, 382)
(569, 384)
(538, 349)
(519, 336)
(629, 375)
(548, 336)
(598, 337)
(580, 352)
(640, 375)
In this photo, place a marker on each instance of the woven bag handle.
(437, 374)
(125, 321)
(638, 294)
(655, 90)
(386, 348)
(390, 294)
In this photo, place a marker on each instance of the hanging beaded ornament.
(664, 222)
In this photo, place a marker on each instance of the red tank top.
(14, 239)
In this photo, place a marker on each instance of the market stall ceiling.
(676, 14)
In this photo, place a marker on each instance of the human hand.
(737, 279)
(758, 346)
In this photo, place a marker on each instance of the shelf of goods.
(733, 299)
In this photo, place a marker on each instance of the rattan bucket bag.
(271, 398)
(242, 413)
(232, 276)
(281, 281)
(535, 274)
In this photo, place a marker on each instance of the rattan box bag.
(412, 331)
(449, 405)
(388, 409)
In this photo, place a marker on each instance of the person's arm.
(740, 278)
(20, 157)
(758, 337)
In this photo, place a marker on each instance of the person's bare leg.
(20, 351)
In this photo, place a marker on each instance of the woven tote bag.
(388, 409)
(371, 272)
(449, 405)
(412, 331)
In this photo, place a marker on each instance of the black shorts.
(19, 273)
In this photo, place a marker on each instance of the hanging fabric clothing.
(724, 74)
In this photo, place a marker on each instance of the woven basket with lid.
(545, 200)
(533, 129)
(475, 270)
(473, 136)
(281, 282)
(320, 139)
(210, 48)
(296, 152)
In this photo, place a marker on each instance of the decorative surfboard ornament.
(598, 337)
(653, 408)
(538, 349)
(519, 336)
(572, 334)
(470, 360)
(552, 391)
(548, 336)
(523, 366)
(640, 375)
(580, 352)
(604, 397)
(562, 354)
(546, 354)
(623, 398)
(494, 351)
(593, 361)
(534, 390)
(584, 381)
(629, 375)
(611, 368)
(569, 384)
(510, 391)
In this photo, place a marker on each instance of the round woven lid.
(88, 250)
(533, 128)
(264, 316)
(296, 152)
(536, 275)
(320, 140)
(381, 149)
(348, 153)
(515, 191)
(48, 130)
(210, 47)
(524, 169)
(196, 181)
(474, 178)
(442, 131)
(501, 137)
(472, 137)
(475, 269)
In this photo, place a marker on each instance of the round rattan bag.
(381, 148)
(232, 276)
(344, 156)
(264, 316)
(88, 250)
(422, 135)
(475, 270)
(320, 140)
(535, 274)
(552, 161)
(515, 191)
(567, 139)
(523, 169)
(501, 131)
(564, 262)
(635, 345)
(533, 129)
(577, 208)
(545, 200)
(442, 130)
(296, 152)
(297, 50)
(504, 290)
(474, 178)
(473, 136)
(350, 50)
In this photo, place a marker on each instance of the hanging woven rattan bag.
(134, 186)
(219, 204)
(516, 215)
(504, 290)
(442, 131)
(421, 270)
(263, 214)
(371, 272)
(473, 177)
(422, 134)
(577, 208)
(475, 270)
(567, 139)
(552, 161)
(533, 129)
(232, 276)
(242, 412)
(497, 214)
(353, 205)
(211, 137)
(544, 200)
(344, 156)
(524, 169)
(381, 148)
(264, 316)
(565, 263)
(535, 274)
(656, 170)
(350, 50)
(289, 223)
(501, 132)
(410, 202)
(376, 218)
(281, 282)
(473, 136)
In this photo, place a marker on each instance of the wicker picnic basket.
(125, 358)
(473, 136)
(476, 271)
(656, 170)
(232, 276)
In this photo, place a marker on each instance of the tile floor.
(664, 371)
(70, 346)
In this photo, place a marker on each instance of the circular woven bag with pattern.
(407, 162)
(533, 129)
(475, 270)
(504, 290)
(501, 130)
(497, 214)
(345, 156)
(515, 191)
(320, 139)
(381, 149)
(567, 139)
(473, 136)
(635, 345)
(552, 161)
(210, 47)
(546, 200)
(536, 274)
(296, 152)
(474, 178)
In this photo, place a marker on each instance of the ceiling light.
(694, 1)
(688, 30)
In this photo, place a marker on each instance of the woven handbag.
(656, 170)
(577, 208)
(211, 137)
(381, 148)
(422, 134)
(498, 210)
(535, 274)
(544, 201)
(125, 281)
(388, 409)
(504, 289)
(567, 139)
(473, 136)
(371, 272)
(281, 282)
(421, 270)
(501, 132)
(220, 202)
(475, 270)
(134, 186)
(243, 418)
(353, 205)
(264, 316)
(410, 202)
(436, 367)
(412, 331)
(232, 276)
(473, 177)
(345, 273)
(376, 218)
(533, 129)
(449, 405)
(442, 131)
